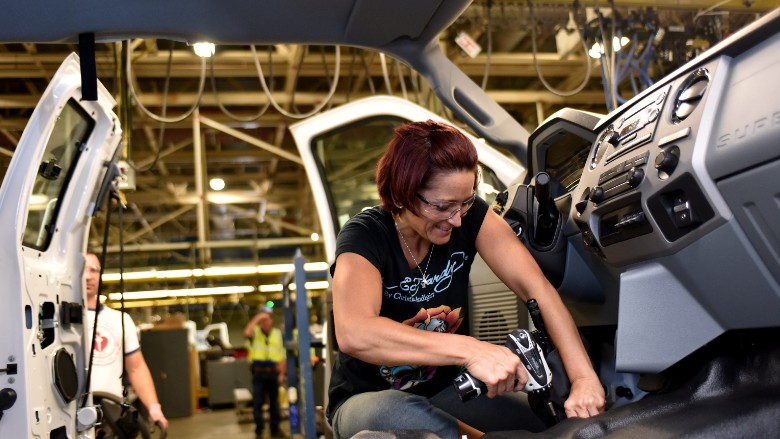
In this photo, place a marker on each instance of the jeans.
(265, 383)
(396, 410)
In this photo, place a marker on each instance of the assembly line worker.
(267, 360)
(107, 362)
(400, 301)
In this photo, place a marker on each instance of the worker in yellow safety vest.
(266, 355)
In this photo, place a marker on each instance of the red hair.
(416, 152)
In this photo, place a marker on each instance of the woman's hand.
(586, 398)
(498, 368)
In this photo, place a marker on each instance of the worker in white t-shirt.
(107, 365)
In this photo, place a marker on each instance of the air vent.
(690, 95)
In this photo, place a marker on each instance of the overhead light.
(209, 291)
(204, 49)
(217, 184)
(311, 285)
(215, 271)
(229, 271)
(597, 49)
(189, 292)
(315, 236)
(270, 288)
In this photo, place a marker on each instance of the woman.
(400, 301)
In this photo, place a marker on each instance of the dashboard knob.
(612, 137)
(635, 177)
(581, 205)
(666, 161)
(597, 194)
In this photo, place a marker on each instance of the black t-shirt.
(440, 303)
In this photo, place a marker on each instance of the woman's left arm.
(506, 255)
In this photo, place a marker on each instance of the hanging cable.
(90, 363)
(284, 112)
(401, 79)
(368, 74)
(607, 74)
(163, 119)
(613, 89)
(161, 136)
(538, 69)
(301, 57)
(224, 110)
(327, 74)
(414, 81)
(385, 74)
(350, 75)
(120, 228)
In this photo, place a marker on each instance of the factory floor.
(219, 424)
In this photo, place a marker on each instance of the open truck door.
(62, 166)
(340, 149)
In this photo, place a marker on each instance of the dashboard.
(671, 227)
(642, 184)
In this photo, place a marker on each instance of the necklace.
(430, 255)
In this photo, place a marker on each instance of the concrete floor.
(220, 424)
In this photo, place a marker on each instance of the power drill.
(530, 347)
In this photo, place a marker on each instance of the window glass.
(63, 148)
(347, 157)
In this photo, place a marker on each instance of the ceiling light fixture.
(311, 285)
(204, 49)
(217, 184)
(597, 49)
(190, 292)
(209, 291)
(216, 271)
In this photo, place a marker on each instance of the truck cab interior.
(657, 221)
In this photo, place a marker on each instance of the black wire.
(122, 296)
(97, 306)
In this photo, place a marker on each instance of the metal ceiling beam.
(251, 140)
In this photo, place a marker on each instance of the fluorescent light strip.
(216, 271)
(191, 292)
(211, 291)
(311, 285)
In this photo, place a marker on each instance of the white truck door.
(47, 200)
(340, 149)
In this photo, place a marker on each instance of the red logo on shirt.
(100, 342)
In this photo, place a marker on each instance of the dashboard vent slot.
(690, 95)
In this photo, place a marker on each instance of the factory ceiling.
(531, 61)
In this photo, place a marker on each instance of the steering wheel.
(121, 421)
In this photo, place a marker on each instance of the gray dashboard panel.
(679, 194)
(747, 124)
(671, 307)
